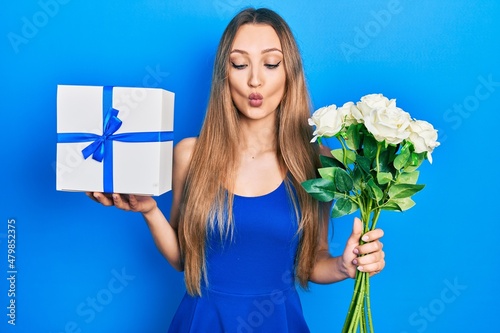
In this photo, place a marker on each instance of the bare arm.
(164, 233)
(327, 269)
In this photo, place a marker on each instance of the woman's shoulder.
(184, 150)
(186, 143)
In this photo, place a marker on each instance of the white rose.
(424, 137)
(374, 101)
(347, 114)
(357, 114)
(328, 121)
(389, 124)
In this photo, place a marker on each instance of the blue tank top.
(251, 282)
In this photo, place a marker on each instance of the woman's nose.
(255, 79)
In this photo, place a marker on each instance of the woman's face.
(256, 71)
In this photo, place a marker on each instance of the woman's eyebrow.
(239, 51)
(273, 49)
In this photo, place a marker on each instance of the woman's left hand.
(368, 257)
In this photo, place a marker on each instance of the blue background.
(435, 57)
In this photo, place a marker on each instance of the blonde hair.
(212, 168)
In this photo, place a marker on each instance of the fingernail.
(354, 262)
(360, 268)
(96, 195)
(115, 196)
(356, 251)
(365, 238)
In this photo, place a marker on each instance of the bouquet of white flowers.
(375, 170)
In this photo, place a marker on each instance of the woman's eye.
(272, 66)
(238, 66)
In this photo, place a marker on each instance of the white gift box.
(135, 157)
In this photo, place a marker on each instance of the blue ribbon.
(101, 146)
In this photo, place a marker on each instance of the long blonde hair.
(213, 162)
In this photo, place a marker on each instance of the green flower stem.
(362, 326)
(365, 215)
(344, 152)
(360, 303)
(362, 209)
(376, 214)
(368, 305)
(358, 295)
(359, 314)
(377, 156)
(352, 307)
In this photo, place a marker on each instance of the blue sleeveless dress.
(250, 285)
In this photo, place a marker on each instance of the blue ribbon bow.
(110, 125)
(101, 146)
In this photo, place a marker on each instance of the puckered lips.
(255, 99)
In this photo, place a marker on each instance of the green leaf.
(342, 207)
(327, 161)
(392, 150)
(405, 203)
(416, 160)
(399, 204)
(383, 160)
(320, 189)
(338, 154)
(353, 140)
(364, 163)
(400, 191)
(408, 177)
(327, 173)
(402, 159)
(343, 182)
(369, 146)
(374, 191)
(391, 205)
(384, 177)
(357, 178)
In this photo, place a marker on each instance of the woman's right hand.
(127, 202)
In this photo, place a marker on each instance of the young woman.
(241, 226)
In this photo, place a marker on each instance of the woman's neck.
(257, 140)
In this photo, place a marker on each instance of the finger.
(370, 263)
(372, 268)
(369, 258)
(103, 199)
(373, 235)
(91, 196)
(370, 247)
(120, 202)
(133, 202)
(357, 229)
